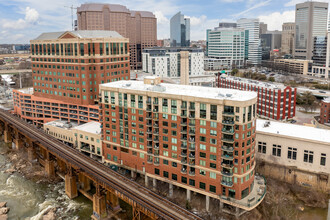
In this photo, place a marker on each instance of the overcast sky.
(23, 20)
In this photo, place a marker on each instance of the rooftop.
(326, 100)
(91, 127)
(62, 124)
(268, 85)
(184, 90)
(294, 131)
(79, 34)
(112, 8)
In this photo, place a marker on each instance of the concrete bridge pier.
(71, 186)
(49, 164)
(99, 205)
(61, 166)
(6, 135)
(113, 200)
(85, 182)
(18, 141)
(31, 154)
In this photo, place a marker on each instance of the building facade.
(324, 118)
(270, 41)
(311, 21)
(293, 66)
(288, 39)
(86, 138)
(253, 49)
(67, 68)
(294, 153)
(226, 46)
(139, 26)
(198, 138)
(166, 62)
(180, 31)
(274, 101)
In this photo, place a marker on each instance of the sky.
(24, 20)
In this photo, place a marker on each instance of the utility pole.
(71, 14)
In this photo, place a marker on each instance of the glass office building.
(180, 31)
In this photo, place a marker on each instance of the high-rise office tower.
(269, 41)
(139, 26)
(287, 44)
(311, 22)
(67, 68)
(263, 28)
(180, 31)
(253, 46)
(227, 46)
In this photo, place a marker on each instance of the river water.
(30, 200)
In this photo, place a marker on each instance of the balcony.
(184, 161)
(191, 173)
(149, 102)
(149, 145)
(192, 124)
(155, 103)
(183, 147)
(156, 140)
(149, 138)
(184, 171)
(226, 183)
(191, 116)
(191, 156)
(156, 147)
(226, 173)
(149, 131)
(227, 157)
(191, 108)
(228, 131)
(228, 122)
(192, 132)
(192, 140)
(230, 149)
(156, 126)
(149, 116)
(149, 152)
(183, 123)
(148, 109)
(156, 162)
(183, 154)
(183, 115)
(183, 131)
(183, 107)
(228, 140)
(149, 125)
(192, 148)
(156, 133)
(228, 113)
(149, 161)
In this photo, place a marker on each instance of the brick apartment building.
(275, 101)
(198, 138)
(323, 121)
(67, 68)
(139, 26)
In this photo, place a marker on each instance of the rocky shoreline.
(29, 170)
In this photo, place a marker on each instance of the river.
(30, 200)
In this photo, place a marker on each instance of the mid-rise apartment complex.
(198, 138)
(288, 39)
(295, 66)
(67, 68)
(180, 31)
(274, 101)
(323, 121)
(226, 47)
(139, 26)
(166, 62)
(311, 22)
(253, 43)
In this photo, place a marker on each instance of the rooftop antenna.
(71, 14)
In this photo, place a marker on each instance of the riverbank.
(30, 194)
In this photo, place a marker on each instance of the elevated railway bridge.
(82, 174)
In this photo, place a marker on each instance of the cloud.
(276, 19)
(31, 18)
(161, 19)
(255, 6)
(294, 2)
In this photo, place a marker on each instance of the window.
(213, 175)
(308, 156)
(276, 150)
(156, 171)
(202, 130)
(213, 189)
(292, 153)
(184, 179)
(165, 174)
(174, 177)
(202, 122)
(201, 185)
(262, 147)
(323, 159)
(202, 163)
(202, 172)
(202, 146)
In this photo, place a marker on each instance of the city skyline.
(22, 21)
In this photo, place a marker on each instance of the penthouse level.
(275, 101)
(198, 138)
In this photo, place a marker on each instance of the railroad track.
(157, 204)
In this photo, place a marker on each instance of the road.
(147, 198)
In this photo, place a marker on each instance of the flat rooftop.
(90, 127)
(294, 131)
(62, 124)
(184, 90)
(268, 85)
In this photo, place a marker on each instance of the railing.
(230, 131)
(225, 183)
(228, 122)
(226, 156)
(227, 148)
(228, 166)
(228, 113)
